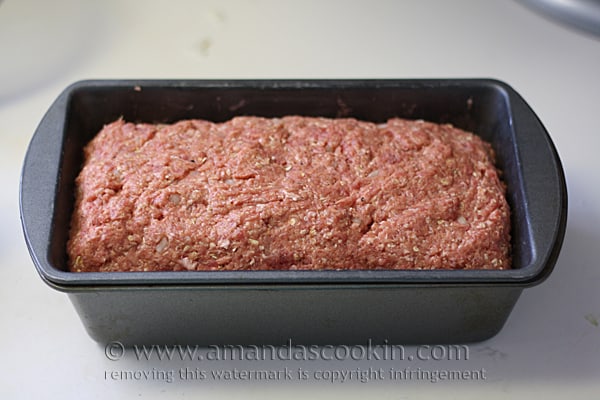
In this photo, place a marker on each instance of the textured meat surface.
(289, 193)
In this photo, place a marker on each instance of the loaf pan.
(310, 307)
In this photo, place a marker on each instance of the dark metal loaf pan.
(311, 307)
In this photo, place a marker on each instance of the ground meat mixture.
(288, 193)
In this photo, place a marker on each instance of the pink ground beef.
(288, 193)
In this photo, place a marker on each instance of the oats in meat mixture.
(288, 193)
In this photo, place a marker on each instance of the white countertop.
(550, 345)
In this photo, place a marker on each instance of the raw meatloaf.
(288, 193)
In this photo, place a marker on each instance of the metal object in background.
(583, 15)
